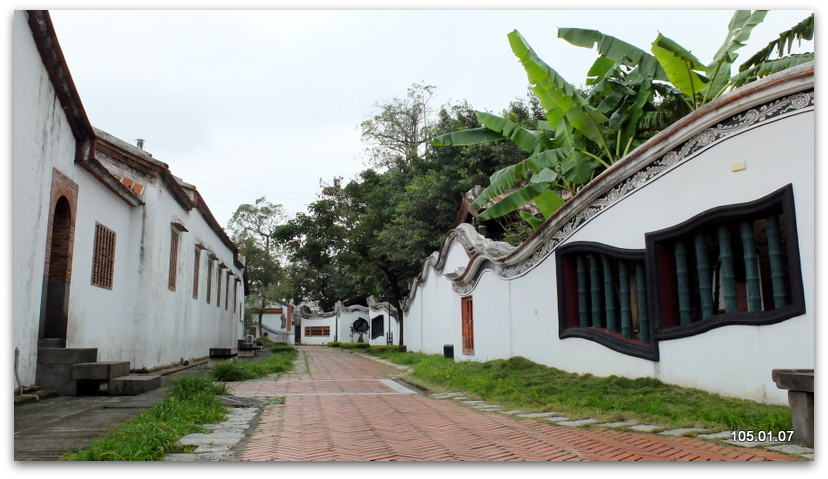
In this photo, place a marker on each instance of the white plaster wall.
(98, 317)
(492, 320)
(732, 360)
(273, 321)
(42, 139)
(710, 360)
(329, 321)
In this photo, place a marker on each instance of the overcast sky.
(252, 103)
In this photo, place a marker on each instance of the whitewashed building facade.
(111, 251)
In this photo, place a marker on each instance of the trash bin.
(448, 351)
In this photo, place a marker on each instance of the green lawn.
(522, 384)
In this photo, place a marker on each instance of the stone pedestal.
(800, 386)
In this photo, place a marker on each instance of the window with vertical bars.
(602, 296)
(467, 320)
(103, 257)
(736, 264)
(317, 330)
(173, 274)
(196, 264)
(227, 294)
(218, 287)
(209, 279)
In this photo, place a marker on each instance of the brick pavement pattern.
(338, 409)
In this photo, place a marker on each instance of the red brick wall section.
(58, 263)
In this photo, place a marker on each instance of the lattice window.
(209, 279)
(103, 257)
(227, 294)
(378, 327)
(467, 318)
(173, 275)
(317, 330)
(218, 288)
(196, 264)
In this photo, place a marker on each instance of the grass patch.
(155, 432)
(522, 384)
(280, 360)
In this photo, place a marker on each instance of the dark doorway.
(56, 283)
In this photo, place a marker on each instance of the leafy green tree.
(252, 227)
(369, 236)
(400, 129)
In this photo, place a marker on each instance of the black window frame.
(782, 200)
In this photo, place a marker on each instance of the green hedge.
(368, 348)
(390, 347)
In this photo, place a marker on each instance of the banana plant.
(632, 95)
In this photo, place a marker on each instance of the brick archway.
(58, 266)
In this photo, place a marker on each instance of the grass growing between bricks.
(191, 402)
(280, 360)
(522, 384)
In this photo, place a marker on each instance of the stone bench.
(800, 386)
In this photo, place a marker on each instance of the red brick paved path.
(339, 410)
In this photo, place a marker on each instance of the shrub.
(334, 344)
(388, 348)
(354, 345)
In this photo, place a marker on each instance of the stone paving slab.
(645, 428)
(681, 431)
(539, 414)
(618, 424)
(578, 423)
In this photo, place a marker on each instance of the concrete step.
(51, 343)
(55, 366)
(221, 353)
(100, 371)
(66, 355)
(133, 384)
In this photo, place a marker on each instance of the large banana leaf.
(739, 30)
(804, 30)
(548, 202)
(578, 168)
(680, 66)
(556, 93)
(471, 136)
(614, 49)
(514, 201)
(530, 142)
(511, 176)
(770, 67)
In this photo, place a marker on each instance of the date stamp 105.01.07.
(762, 436)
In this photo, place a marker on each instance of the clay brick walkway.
(342, 407)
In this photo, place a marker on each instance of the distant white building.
(111, 251)
(692, 260)
(277, 324)
(368, 323)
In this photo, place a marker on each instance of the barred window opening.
(103, 257)
(173, 273)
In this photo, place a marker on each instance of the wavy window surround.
(602, 296)
(736, 264)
